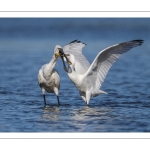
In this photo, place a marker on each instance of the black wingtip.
(73, 41)
(77, 42)
(140, 42)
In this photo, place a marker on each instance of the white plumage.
(75, 48)
(48, 77)
(89, 78)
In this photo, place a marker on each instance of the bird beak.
(57, 55)
(62, 55)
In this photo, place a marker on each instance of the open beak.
(62, 55)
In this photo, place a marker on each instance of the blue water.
(26, 44)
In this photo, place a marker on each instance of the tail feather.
(102, 92)
(98, 92)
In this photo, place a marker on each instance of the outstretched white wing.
(105, 59)
(75, 48)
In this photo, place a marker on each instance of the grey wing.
(75, 48)
(105, 59)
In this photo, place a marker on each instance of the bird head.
(56, 51)
(71, 62)
(71, 59)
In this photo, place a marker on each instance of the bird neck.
(53, 60)
(74, 76)
(50, 66)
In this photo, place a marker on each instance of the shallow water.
(126, 107)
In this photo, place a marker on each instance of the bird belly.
(47, 86)
(81, 86)
(49, 89)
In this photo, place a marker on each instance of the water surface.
(27, 44)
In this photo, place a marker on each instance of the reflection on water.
(27, 44)
(73, 119)
(51, 113)
(89, 113)
(86, 113)
(90, 118)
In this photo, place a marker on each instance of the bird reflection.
(77, 118)
(90, 113)
(51, 113)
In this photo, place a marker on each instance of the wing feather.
(75, 47)
(105, 59)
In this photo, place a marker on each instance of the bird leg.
(44, 99)
(88, 96)
(58, 100)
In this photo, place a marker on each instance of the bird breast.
(79, 82)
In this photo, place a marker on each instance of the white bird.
(89, 78)
(48, 77)
(75, 48)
